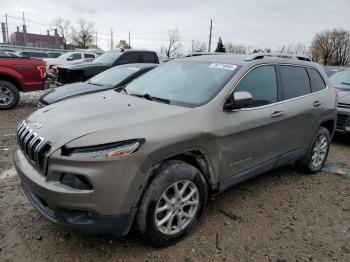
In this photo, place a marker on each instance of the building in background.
(36, 40)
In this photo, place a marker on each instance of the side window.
(131, 58)
(148, 58)
(89, 56)
(316, 80)
(75, 56)
(295, 81)
(261, 82)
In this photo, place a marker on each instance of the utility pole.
(7, 30)
(96, 39)
(111, 39)
(211, 29)
(129, 40)
(25, 40)
(192, 46)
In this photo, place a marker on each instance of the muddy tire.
(172, 203)
(9, 95)
(317, 153)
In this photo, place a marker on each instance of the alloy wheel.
(319, 151)
(177, 207)
(6, 96)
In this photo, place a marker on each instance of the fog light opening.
(76, 181)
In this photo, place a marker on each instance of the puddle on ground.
(337, 170)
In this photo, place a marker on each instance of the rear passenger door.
(301, 109)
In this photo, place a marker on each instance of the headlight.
(119, 149)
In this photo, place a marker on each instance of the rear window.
(316, 80)
(295, 82)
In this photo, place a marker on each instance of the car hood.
(71, 90)
(85, 66)
(122, 116)
(344, 96)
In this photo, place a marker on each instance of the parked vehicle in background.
(82, 72)
(180, 134)
(53, 54)
(19, 75)
(53, 72)
(330, 70)
(32, 54)
(114, 78)
(67, 57)
(341, 81)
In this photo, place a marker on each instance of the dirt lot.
(280, 216)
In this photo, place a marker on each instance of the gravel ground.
(280, 216)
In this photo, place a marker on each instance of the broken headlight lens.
(109, 150)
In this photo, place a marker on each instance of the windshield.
(107, 58)
(184, 83)
(113, 76)
(341, 79)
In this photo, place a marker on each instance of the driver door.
(252, 137)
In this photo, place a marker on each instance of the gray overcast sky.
(259, 23)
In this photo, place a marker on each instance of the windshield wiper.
(95, 84)
(152, 98)
(345, 83)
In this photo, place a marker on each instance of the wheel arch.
(195, 157)
(14, 81)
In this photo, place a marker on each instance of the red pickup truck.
(19, 74)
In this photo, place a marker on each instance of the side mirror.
(70, 59)
(238, 100)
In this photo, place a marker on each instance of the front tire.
(317, 153)
(9, 95)
(172, 203)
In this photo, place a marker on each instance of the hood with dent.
(122, 116)
(344, 96)
(85, 66)
(71, 90)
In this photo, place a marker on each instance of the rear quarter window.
(316, 80)
(295, 81)
(149, 58)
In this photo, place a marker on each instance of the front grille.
(344, 105)
(69, 76)
(33, 146)
(341, 121)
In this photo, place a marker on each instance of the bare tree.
(331, 47)
(199, 46)
(83, 34)
(174, 44)
(236, 49)
(64, 29)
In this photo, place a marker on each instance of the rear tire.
(9, 95)
(172, 203)
(317, 153)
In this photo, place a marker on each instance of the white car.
(68, 57)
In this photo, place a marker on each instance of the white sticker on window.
(223, 66)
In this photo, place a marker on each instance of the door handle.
(317, 103)
(277, 114)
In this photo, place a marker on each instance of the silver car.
(152, 155)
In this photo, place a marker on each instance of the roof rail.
(280, 55)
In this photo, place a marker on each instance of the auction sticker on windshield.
(223, 66)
